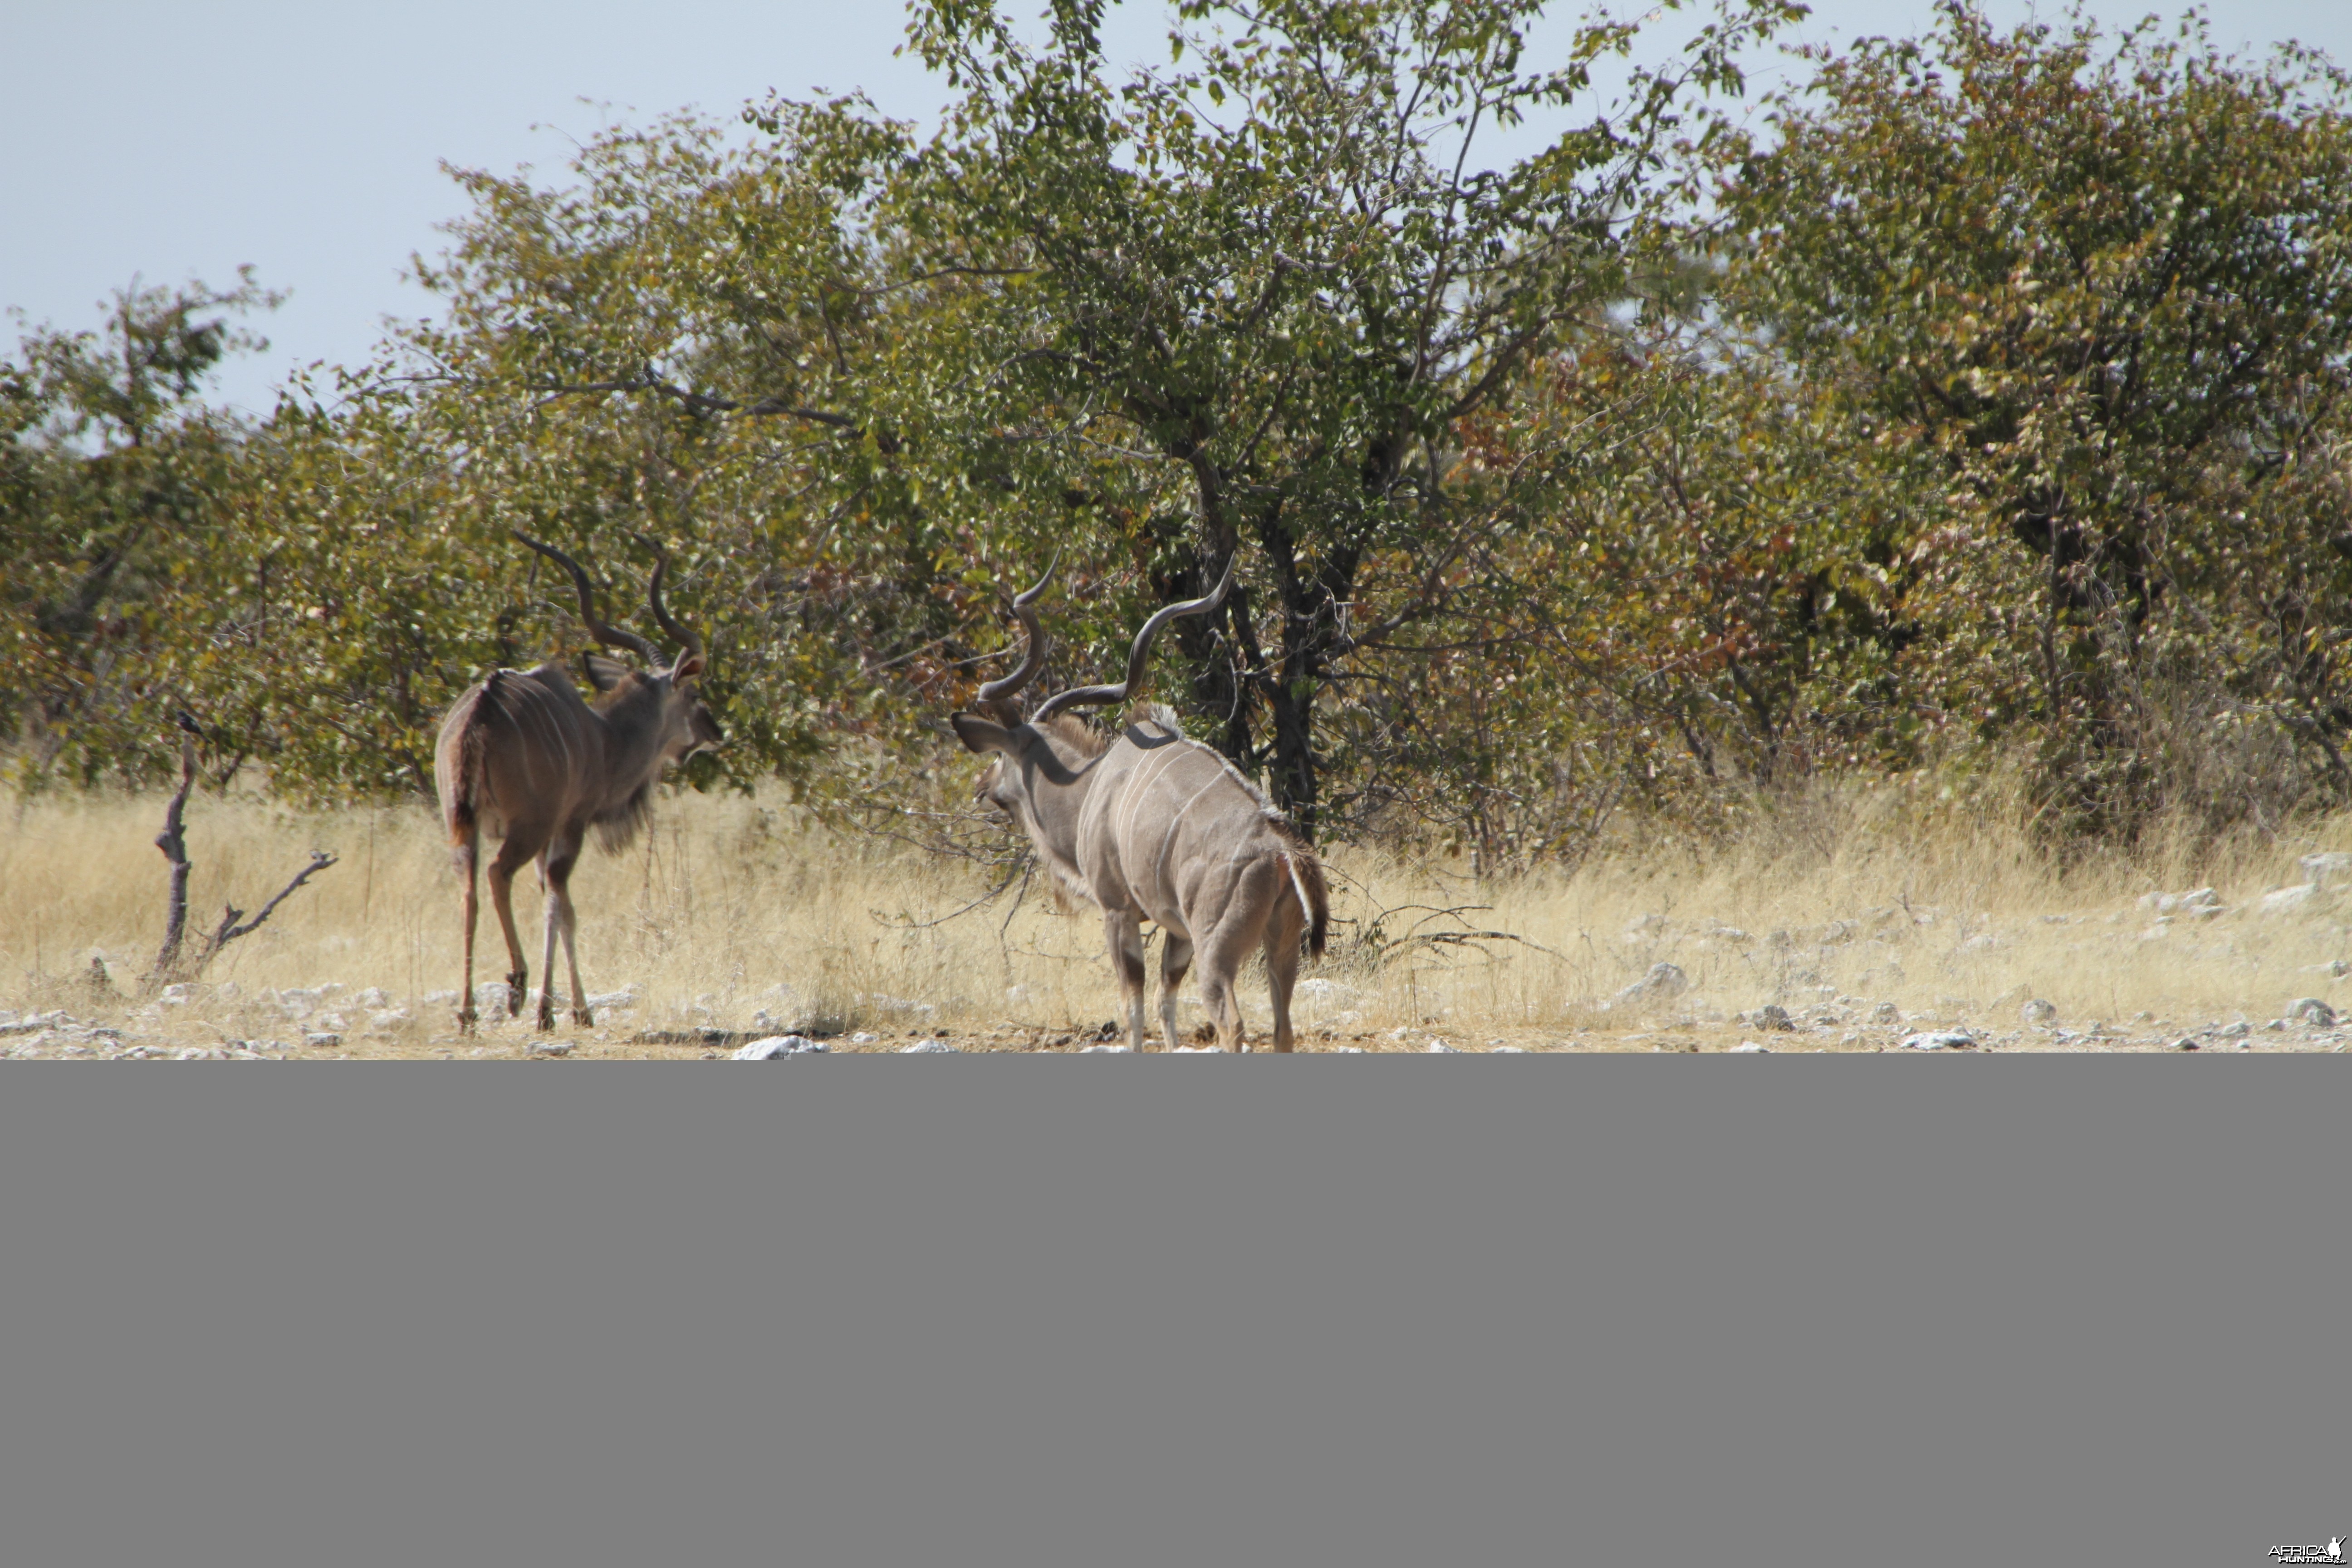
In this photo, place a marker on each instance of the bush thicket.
(1981, 405)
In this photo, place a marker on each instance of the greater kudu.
(522, 755)
(1152, 826)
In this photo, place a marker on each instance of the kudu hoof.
(583, 1018)
(466, 1020)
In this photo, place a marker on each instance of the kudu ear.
(982, 735)
(604, 674)
(686, 668)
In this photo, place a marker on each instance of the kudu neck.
(633, 732)
(1057, 770)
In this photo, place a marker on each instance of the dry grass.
(733, 909)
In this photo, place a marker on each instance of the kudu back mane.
(1080, 736)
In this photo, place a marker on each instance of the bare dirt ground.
(1878, 923)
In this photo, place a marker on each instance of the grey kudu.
(522, 755)
(1151, 826)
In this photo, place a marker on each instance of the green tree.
(1245, 302)
(2107, 284)
(115, 529)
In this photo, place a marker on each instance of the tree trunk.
(173, 842)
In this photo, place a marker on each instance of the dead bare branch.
(230, 929)
(1018, 869)
(173, 842)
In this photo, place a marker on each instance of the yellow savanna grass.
(730, 908)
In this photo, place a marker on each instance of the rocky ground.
(322, 1023)
(2164, 971)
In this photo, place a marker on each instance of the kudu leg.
(1124, 933)
(1245, 924)
(1220, 961)
(1282, 929)
(503, 866)
(1217, 996)
(558, 902)
(1175, 961)
(554, 922)
(468, 853)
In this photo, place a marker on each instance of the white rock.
(551, 1047)
(322, 1039)
(1940, 1041)
(1507, 1050)
(1102, 1050)
(373, 996)
(2313, 1011)
(1194, 1051)
(777, 1047)
(863, 1038)
(627, 997)
(1440, 1049)
(1347, 1050)
(1749, 1047)
(491, 1000)
(1326, 992)
(2287, 901)
(177, 995)
(1886, 1013)
(927, 1048)
(1663, 983)
(2330, 865)
(2038, 1013)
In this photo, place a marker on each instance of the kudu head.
(1014, 746)
(683, 724)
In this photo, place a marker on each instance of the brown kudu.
(1151, 826)
(524, 756)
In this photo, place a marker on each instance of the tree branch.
(700, 402)
(229, 930)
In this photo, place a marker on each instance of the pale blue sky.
(170, 139)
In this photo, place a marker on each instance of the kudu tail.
(459, 776)
(1313, 897)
